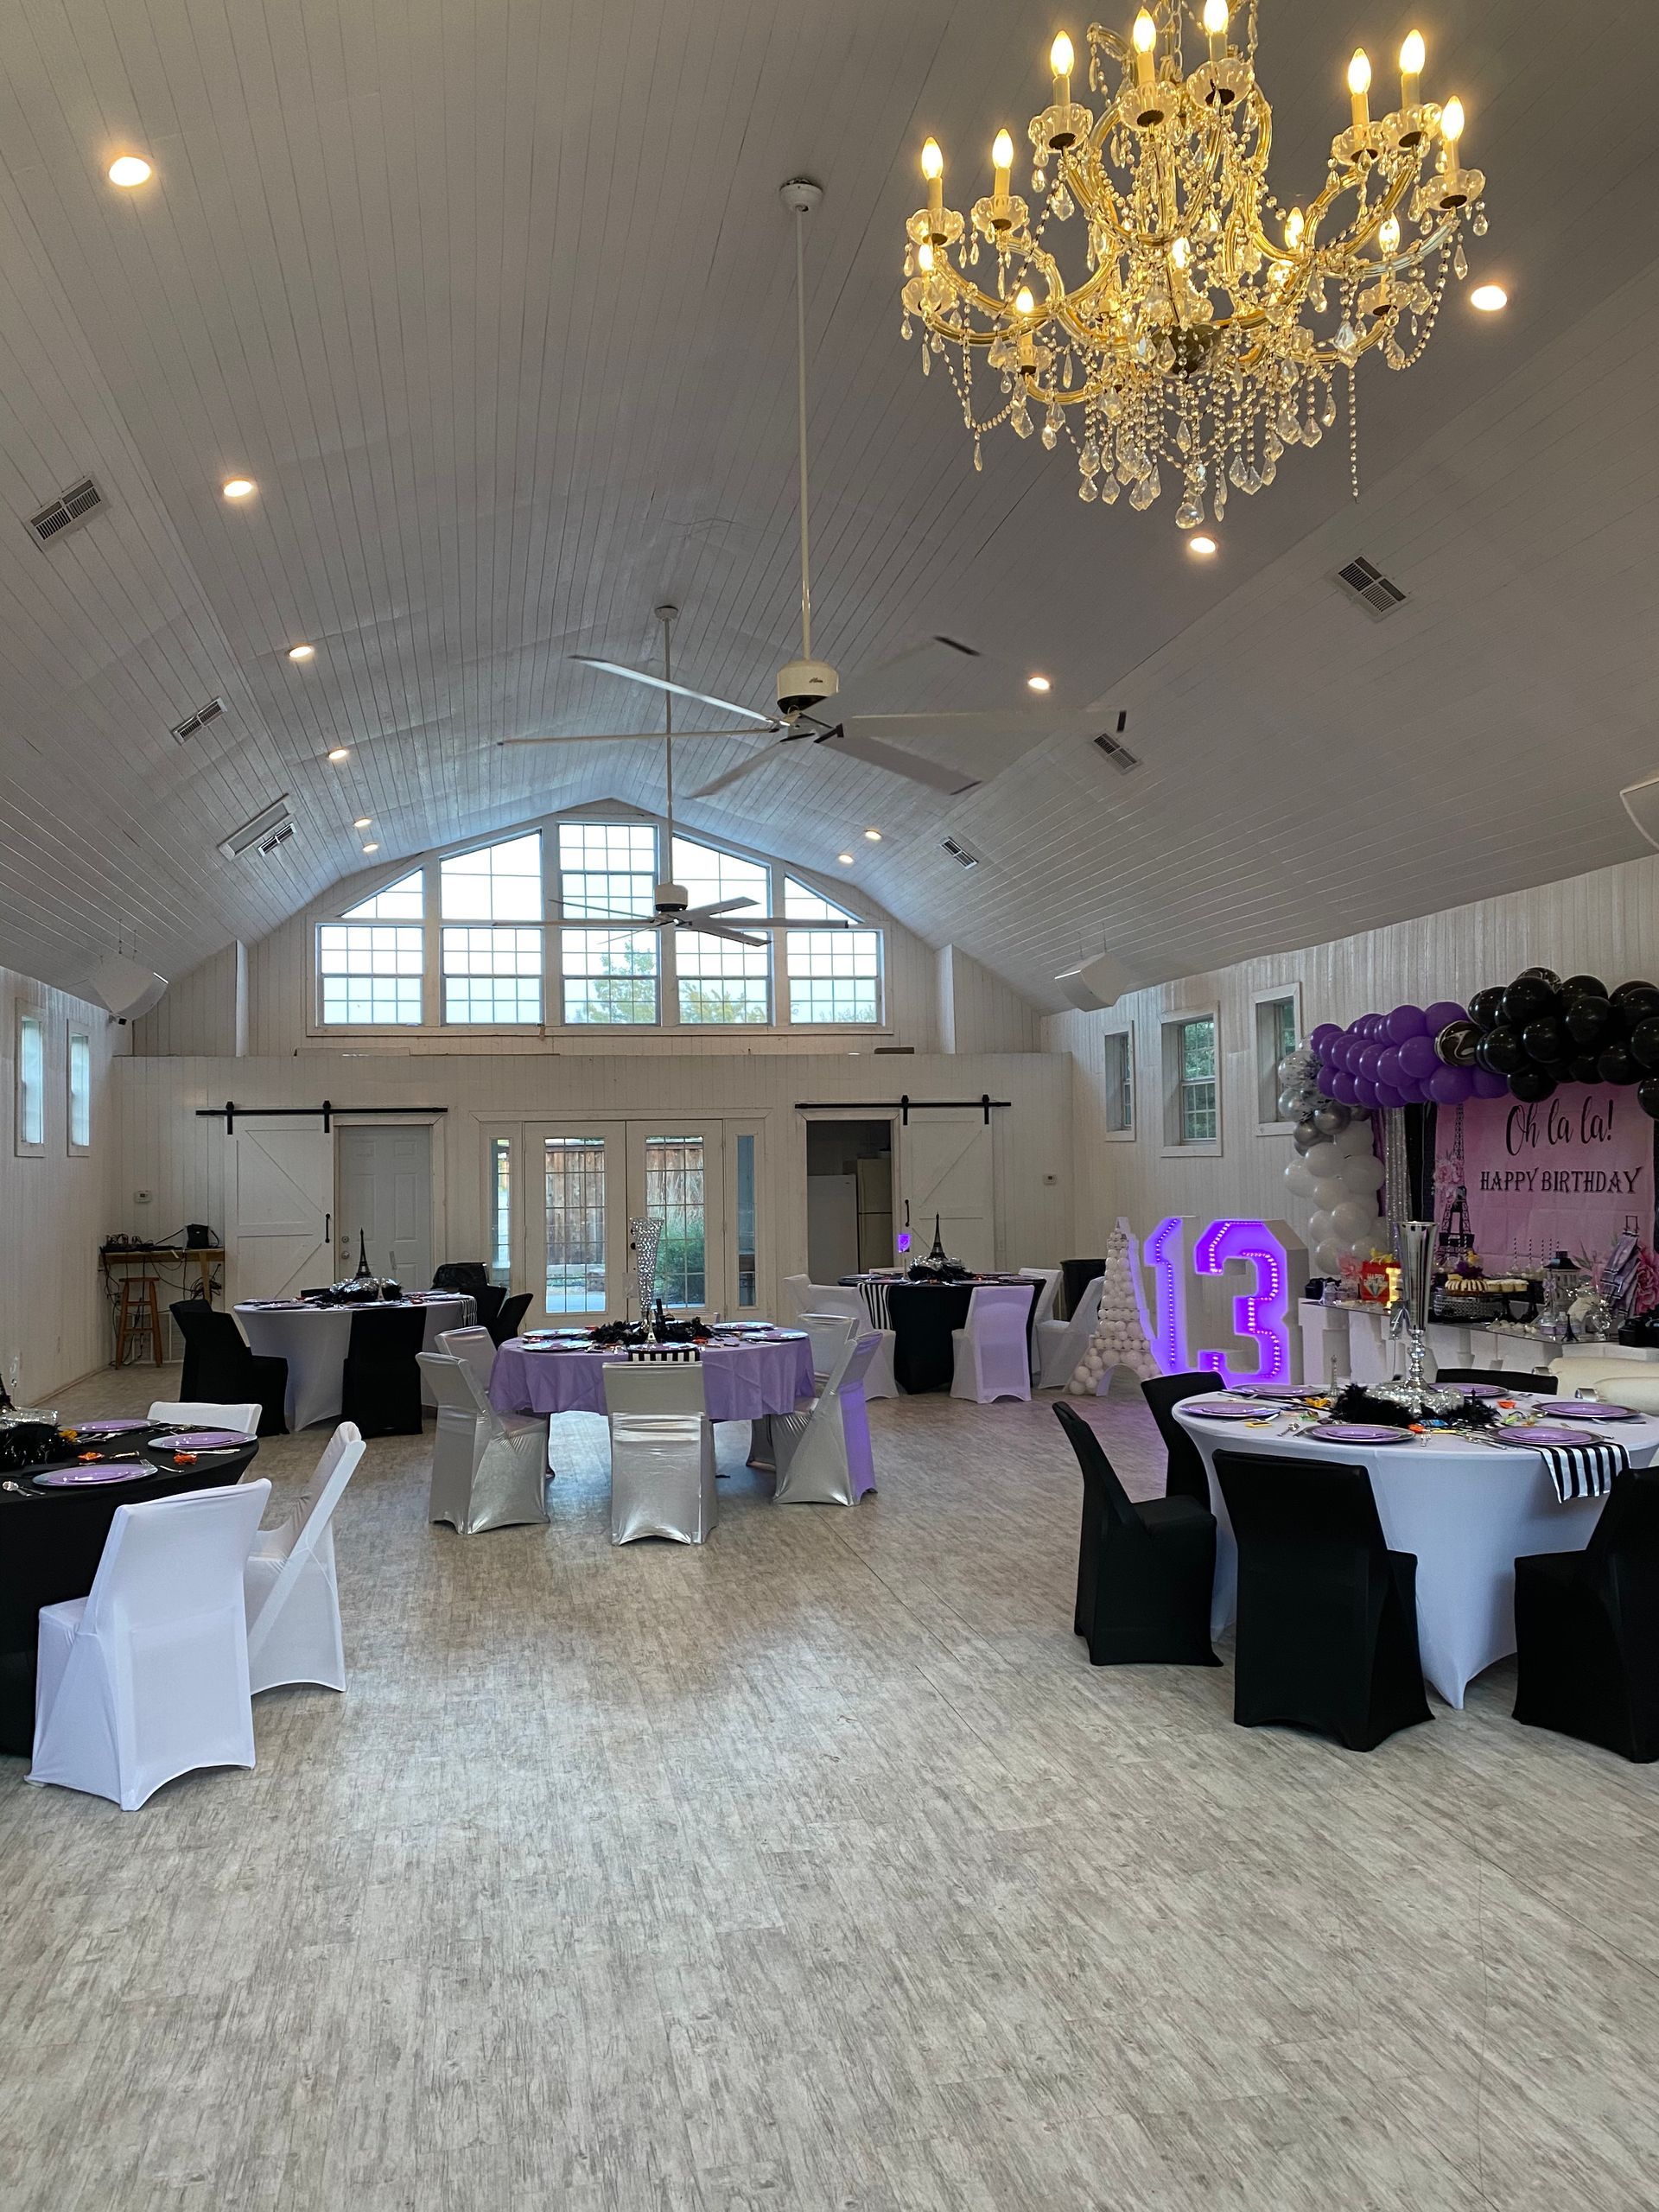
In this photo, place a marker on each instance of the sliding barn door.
(282, 1184)
(945, 1168)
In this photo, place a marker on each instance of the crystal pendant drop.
(1346, 340)
(1108, 491)
(1312, 433)
(1190, 513)
(1316, 299)
(1061, 204)
(979, 458)
(1479, 226)
(1051, 437)
(904, 328)
(1328, 412)
(1086, 490)
(1020, 421)
(927, 362)
(1039, 180)
(1236, 470)
(1460, 263)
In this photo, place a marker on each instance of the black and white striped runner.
(1584, 1470)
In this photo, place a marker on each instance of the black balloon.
(1504, 1050)
(1585, 1069)
(1647, 1096)
(1528, 999)
(1486, 1007)
(1617, 1066)
(1583, 986)
(1635, 1001)
(1532, 1083)
(1644, 1041)
(1588, 1019)
(1456, 1044)
(1548, 1039)
(1547, 976)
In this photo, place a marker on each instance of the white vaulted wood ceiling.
(493, 301)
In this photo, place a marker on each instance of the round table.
(51, 1542)
(922, 1317)
(1468, 1512)
(741, 1382)
(314, 1339)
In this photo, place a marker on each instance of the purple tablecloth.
(741, 1382)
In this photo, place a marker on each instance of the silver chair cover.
(830, 1334)
(1061, 1345)
(662, 1452)
(823, 1453)
(489, 1470)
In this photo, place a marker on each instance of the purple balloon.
(1418, 1057)
(1488, 1083)
(1370, 1060)
(1322, 1039)
(1343, 1087)
(1387, 1095)
(1451, 1086)
(1435, 1017)
(1414, 1091)
(1326, 1082)
(1388, 1069)
(1406, 1021)
(1364, 1092)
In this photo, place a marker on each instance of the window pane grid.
(491, 975)
(501, 1209)
(1196, 1058)
(574, 1197)
(80, 1088)
(608, 868)
(834, 975)
(674, 1198)
(370, 972)
(31, 1079)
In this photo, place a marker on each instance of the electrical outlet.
(142, 1198)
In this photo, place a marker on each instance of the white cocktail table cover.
(313, 1340)
(1467, 1510)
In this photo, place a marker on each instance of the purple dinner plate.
(1221, 1409)
(1357, 1431)
(1537, 1432)
(105, 1428)
(201, 1439)
(97, 1470)
(1280, 1389)
(1592, 1409)
(1486, 1389)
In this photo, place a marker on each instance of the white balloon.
(1363, 1173)
(1327, 1257)
(1321, 1227)
(1329, 1192)
(1356, 1139)
(1299, 1178)
(1323, 1163)
(1353, 1219)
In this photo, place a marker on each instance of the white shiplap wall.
(55, 1209)
(185, 1161)
(1604, 924)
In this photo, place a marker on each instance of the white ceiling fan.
(812, 705)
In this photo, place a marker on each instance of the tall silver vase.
(644, 1238)
(1414, 1247)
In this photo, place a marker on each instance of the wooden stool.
(137, 1317)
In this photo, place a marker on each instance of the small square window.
(1278, 1025)
(1119, 1102)
(78, 1074)
(31, 1083)
(1191, 1085)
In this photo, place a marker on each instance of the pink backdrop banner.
(1572, 1172)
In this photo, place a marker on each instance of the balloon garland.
(1335, 1168)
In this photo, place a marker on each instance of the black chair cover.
(1145, 1573)
(1185, 1476)
(382, 1385)
(1543, 1385)
(1587, 1625)
(488, 1299)
(220, 1368)
(1075, 1276)
(508, 1317)
(469, 1275)
(1327, 1614)
(922, 1317)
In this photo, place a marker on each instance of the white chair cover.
(837, 1298)
(991, 1360)
(1061, 1345)
(475, 1346)
(147, 1676)
(823, 1450)
(831, 1334)
(198, 1413)
(489, 1470)
(291, 1586)
(797, 1290)
(661, 1451)
(1042, 1308)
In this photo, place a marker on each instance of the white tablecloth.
(313, 1340)
(1467, 1510)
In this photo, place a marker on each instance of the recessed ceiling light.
(339, 753)
(1488, 298)
(1204, 547)
(131, 169)
(873, 836)
(239, 487)
(302, 652)
(1037, 683)
(846, 859)
(363, 822)
(370, 847)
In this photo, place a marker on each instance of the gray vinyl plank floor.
(817, 1868)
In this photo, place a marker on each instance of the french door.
(585, 1181)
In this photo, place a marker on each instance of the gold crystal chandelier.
(1211, 321)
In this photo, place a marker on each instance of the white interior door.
(944, 1166)
(281, 1238)
(384, 1201)
(587, 1181)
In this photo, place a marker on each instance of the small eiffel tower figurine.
(362, 1274)
(938, 1257)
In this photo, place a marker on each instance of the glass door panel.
(575, 1231)
(676, 1179)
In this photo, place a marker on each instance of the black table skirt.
(50, 1544)
(922, 1316)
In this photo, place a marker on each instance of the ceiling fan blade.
(940, 655)
(680, 690)
(732, 936)
(1014, 723)
(719, 906)
(627, 737)
(911, 765)
(736, 775)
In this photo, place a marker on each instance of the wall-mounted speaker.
(123, 987)
(1099, 983)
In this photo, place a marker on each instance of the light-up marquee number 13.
(1258, 1314)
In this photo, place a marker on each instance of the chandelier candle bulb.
(1411, 57)
(1060, 58)
(1451, 120)
(1359, 83)
(933, 170)
(1214, 27)
(1145, 39)
(1001, 164)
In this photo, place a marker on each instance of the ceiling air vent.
(1371, 588)
(272, 826)
(67, 511)
(963, 856)
(184, 731)
(1111, 744)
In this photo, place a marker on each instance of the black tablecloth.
(51, 1542)
(922, 1316)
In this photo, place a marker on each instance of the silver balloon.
(1294, 1064)
(1292, 1104)
(1330, 1117)
(1306, 1135)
